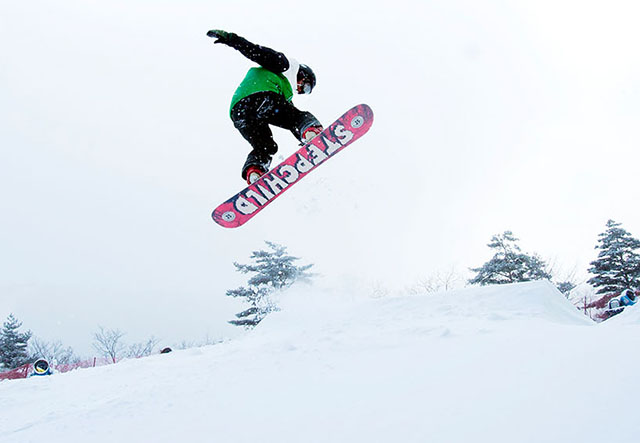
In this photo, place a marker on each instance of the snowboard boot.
(310, 133)
(257, 164)
(253, 174)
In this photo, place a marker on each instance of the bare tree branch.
(53, 352)
(107, 342)
(440, 281)
(142, 349)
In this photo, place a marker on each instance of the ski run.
(510, 363)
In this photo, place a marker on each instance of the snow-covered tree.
(617, 266)
(509, 264)
(566, 287)
(13, 344)
(272, 270)
(565, 281)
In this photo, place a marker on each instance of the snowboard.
(248, 203)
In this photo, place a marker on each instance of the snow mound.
(470, 307)
(539, 300)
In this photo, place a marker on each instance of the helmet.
(41, 366)
(308, 78)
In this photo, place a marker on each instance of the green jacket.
(262, 80)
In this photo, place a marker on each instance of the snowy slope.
(513, 363)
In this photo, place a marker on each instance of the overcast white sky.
(116, 145)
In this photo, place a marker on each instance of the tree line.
(18, 348)
(616, 268)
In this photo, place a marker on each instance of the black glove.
(221, 36)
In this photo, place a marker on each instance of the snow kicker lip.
(249, 202)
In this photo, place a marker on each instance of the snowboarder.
(264, 98)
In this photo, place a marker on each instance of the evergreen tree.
(13, 344)
(509, 264)
(272, 270)
(566, 287)
(617, 266)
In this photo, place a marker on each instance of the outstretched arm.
(269, 59)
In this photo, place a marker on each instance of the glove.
(221, 36)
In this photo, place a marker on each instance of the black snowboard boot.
(257, 163)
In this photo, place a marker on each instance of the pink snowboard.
(240, 208)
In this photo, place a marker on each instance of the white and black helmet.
(308, 78)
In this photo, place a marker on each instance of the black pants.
(252, 116)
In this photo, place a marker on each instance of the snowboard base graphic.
(247, 203)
